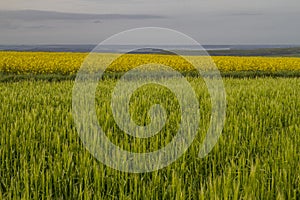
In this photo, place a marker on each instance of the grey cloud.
(44, 20)
(209, 22)
(8, 26)
(31, 15)
(37, 27)
(20, 26)
(234, 14)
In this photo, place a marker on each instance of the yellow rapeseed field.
(69, 63)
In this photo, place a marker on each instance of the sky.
(213, 22)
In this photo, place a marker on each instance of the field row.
(69, 63)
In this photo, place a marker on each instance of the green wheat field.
(256, 157)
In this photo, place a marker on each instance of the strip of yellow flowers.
(69, 63)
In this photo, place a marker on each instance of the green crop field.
(257, 156)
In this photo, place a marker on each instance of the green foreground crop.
(257, 156)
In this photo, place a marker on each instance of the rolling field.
(42, 156)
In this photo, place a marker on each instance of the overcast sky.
(207, 21)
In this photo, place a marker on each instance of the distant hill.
(213, 50)
(292, 52)
(152, 51)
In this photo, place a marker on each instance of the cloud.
(238, 14)
(37, 27)
(45, 20)
(97, 21)
(15, 26)
(32, 15)
(209, 22)
(245, 14)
